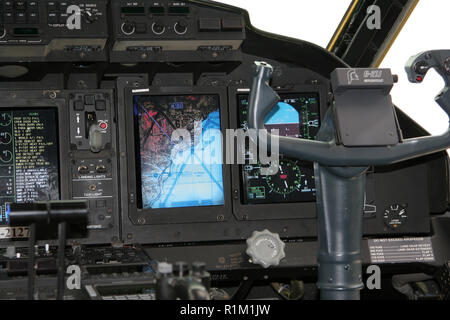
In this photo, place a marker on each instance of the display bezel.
(37, 100)
(180, 214)
(271, 211)
(55, 112)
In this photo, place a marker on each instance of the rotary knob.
(180, 27)
(128, 28)
(265, 248)
(158, 27)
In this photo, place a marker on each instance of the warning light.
(103, 125)
(419, 78)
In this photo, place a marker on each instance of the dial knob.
(180, 27)
(128, 28)
(265, 248)
(158, 27)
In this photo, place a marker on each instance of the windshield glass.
(313, 21)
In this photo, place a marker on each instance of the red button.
(103, 125)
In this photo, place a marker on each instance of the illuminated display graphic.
(172, 172)
(296, 115)
(29, 166)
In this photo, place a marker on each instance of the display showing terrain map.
(182, 168)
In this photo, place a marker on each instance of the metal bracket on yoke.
(363, 110)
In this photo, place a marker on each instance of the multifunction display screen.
(29, 160)
(178, 150)
(296, 115)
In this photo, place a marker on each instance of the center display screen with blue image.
(182, 168)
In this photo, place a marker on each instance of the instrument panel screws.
(52, 95)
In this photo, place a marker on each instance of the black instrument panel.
(168, 65)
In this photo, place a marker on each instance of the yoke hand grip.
(417, 67)
(327, 152)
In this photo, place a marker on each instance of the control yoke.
(360, 129)
(418, 66)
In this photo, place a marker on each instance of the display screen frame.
(270, 211)
(194, 214)
(34, 100)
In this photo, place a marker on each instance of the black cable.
(31, 261)
(61, 259)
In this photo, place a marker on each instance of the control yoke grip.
(263, 98)
(417, 67)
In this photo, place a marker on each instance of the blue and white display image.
(173, 172)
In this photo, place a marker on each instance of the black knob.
(128, 28)
(180, 27)
(158, 27)
(89, 17)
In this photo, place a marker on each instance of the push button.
(20, 17)
(209, 24)
(78, 105)
(232, 24)
(33, 17)
(52, 6)
(52, 18)
(20, 5)
(9, 17)
(100, 203)
(89, 100)
(141, 28)
(8, 6)
(100, 105)
(32, 6)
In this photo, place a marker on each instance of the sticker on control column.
(401, 250)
